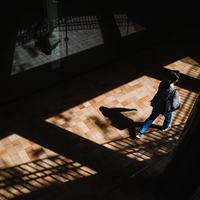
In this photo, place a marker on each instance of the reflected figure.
(118, 120)
(50, 40)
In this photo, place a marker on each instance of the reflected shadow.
(31, 51)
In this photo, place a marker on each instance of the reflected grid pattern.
(83, 33)
(127, 26)
(46, 169)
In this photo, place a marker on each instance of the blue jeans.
(152, 117)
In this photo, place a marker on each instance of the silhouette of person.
(118, 120)
(50, 41)
(165, 91)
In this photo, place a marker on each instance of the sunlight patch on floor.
(28, 167)
(186, 66)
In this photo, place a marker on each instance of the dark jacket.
(158, 101)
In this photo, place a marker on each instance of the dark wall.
(166, 19)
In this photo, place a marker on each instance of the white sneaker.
(139, 135)
(166, 128)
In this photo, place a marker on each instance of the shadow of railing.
(32, 178)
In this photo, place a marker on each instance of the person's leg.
(166, 124)
(149, 121)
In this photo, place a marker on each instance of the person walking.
(165, 92)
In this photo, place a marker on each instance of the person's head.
(173, 76)
(172, 79)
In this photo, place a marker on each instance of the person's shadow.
(119, 121)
